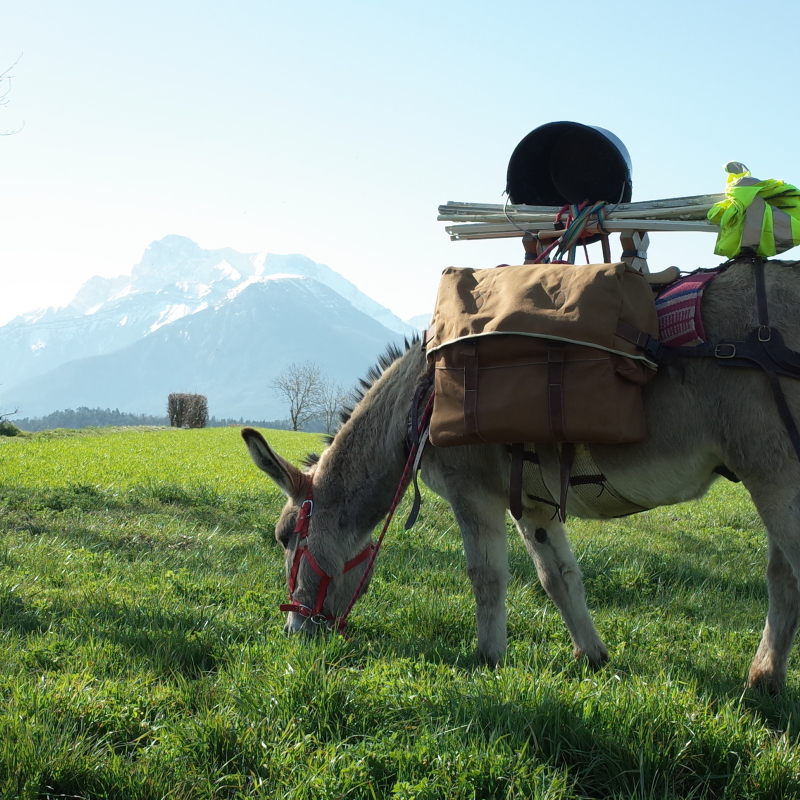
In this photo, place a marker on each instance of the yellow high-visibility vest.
(757, 217)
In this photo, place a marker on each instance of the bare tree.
(5, 89)
(300, 385)
(332, 399)
(7, 427)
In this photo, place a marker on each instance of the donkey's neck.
(362, 468)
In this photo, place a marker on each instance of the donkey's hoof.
(764, 681)
(492, 660)
(596, 656)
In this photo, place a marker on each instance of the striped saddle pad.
(678, 307)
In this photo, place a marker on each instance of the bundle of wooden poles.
(486, 221)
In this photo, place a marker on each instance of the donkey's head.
(326, 562)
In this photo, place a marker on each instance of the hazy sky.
(335, 129)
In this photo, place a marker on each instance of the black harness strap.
(518, 454)
(417, 435)
(774, 359)
(763, 349)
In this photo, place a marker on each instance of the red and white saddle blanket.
(678, 307)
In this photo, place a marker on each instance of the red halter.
(314, 614)
(369, 552)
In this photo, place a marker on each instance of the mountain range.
(217, 322)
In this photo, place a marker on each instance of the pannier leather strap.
(555, 389)
(469, 354)
(644, 341)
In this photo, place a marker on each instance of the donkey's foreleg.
(561, 577)
(779, 507)
(482, 520)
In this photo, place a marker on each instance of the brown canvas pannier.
(541, 353)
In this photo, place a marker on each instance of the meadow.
(141, 652)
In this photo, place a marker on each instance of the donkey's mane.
(385, 360)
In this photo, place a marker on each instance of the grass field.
(141, 653)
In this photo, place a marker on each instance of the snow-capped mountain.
(229, 352)
(175, 278)
(420, 322)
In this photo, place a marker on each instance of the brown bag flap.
(501, 389)
(556, 301)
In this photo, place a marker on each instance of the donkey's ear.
(291, 481)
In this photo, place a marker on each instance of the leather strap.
(774, 359)
(469, 355)
(417, 504)
(761, 293)
(606, 249)
(515, 479)
(632, 335)
(555, 389)
(565, 460)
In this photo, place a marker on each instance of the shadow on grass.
(780, 713)
(171, 642)
(608, 752)
(18, 614)
(199, 505)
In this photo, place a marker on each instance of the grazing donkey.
(701, 417)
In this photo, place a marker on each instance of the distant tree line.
(84, 417)
(231, 422)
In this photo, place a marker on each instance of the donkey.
(703, 419)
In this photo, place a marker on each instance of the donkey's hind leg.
(769, 666)
(778, 503)
(561, 577)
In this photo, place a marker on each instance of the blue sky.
(336, 129)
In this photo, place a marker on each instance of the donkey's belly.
(591, 494)
(648, 478)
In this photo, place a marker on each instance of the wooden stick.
(679, 213)
(479, 230)
(643, 209)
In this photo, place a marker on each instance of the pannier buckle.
(725, 350)
(654, 349)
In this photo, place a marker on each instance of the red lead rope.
(371, 551)
(341, 623)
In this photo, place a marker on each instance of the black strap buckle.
(654, 349)
(764, 333)
(721, 352)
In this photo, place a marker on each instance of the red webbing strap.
(322, 591)
(301, 527)
(298, 554)
(362, 556)
(316, 567)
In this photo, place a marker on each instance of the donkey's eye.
(282, 535)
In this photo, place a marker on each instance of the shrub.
(9, 428)
(187, 410)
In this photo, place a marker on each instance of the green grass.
(141, 653)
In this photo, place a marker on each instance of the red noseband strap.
(315, 613)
